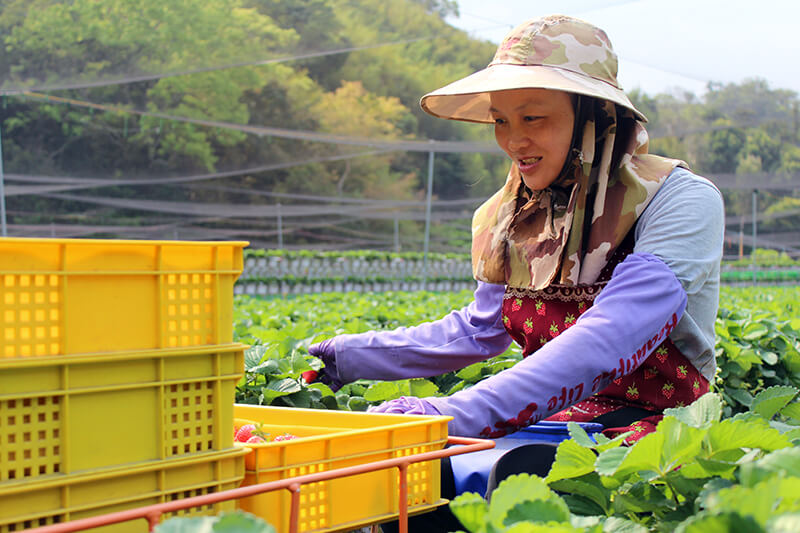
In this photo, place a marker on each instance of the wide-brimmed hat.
(555, 52)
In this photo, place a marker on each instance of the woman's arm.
(463, 337)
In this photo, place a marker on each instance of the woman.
(599, 259)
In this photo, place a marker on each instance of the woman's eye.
(499, 121)
(530, 118)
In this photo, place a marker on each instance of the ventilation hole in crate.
(31, 448)
(189, 417)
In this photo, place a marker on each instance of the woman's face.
(534, 127)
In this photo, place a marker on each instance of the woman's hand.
(408, 405)
(327, 375)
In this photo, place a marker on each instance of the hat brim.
(468, 98)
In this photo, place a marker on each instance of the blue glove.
(406, 405)
(328, 375)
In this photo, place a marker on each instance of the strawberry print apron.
(665, 379)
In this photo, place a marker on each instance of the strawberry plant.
(696, 472)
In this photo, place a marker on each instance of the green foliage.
(234, 522)
(695, 473)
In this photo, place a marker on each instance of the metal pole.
(427, 222)
(280, 228)
(755, 212)
(3, 228)
(396, 235)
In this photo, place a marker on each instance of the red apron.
(665, 379)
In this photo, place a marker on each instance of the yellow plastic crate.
(46, 501)
(73, 296)
(61, 415)
(338, 439)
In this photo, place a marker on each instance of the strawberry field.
(729, 462)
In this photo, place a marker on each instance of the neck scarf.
(565, 234)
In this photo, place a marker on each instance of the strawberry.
(554, 330)
(681, 372)
(633, 393)
(244, 433)
(540, 307)
(581, 307)
(285, 436)
(668, 390)
(309, 376)
(516, 305)
(650, 373)
(255, 439)
(569, 320)
(696, 388)
(661, 353)
(506, 320)
(528, 326)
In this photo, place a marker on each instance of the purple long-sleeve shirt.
(474, 333)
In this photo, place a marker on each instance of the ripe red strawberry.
(668, 390)
(681, 372)
(285, 436)
(244, 433)
(554, 330)
(528, 326)
(541, 309)
(650, 373)
(661, 353)
(309, 376)
(255, 439)
(632, 393)
(516, 305)
(569, 320)
(581, 307)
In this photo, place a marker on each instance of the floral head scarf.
(565, 234)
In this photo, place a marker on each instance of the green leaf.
(609, 461)
(422, 388)
(199, 524)
(769, 401)
(744, 432)
(729, 522)
(588, 486)
(253, 355)
(641, 497)
(519, 488)
(278, 388)
(700, 414)
(754, 331)
(471, 372)
(786, 523)
(572, 460)
(382, 391)
(302, 398)
(357, 403)
(579, 435)
(740, 395)
(241, 522)
(616, 524)
(471, 510)
(792, 411)
(537, 511)
(786, 460)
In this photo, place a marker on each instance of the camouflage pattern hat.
(555, 52)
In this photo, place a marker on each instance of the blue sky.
(669, 45)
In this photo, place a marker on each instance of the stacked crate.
(117, 376)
